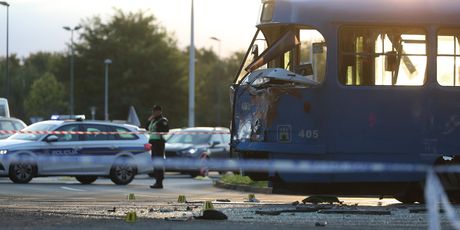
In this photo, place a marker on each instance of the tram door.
(381, 112)
(446, 120)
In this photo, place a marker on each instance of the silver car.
(119, 155)
(10, 124)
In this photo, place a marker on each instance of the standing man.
(157, 123)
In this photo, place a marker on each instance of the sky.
(36, 25)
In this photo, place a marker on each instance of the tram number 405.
(309, 134)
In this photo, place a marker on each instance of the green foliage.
(243, 180)
(46, 97)
(147, 67)
(24, 72)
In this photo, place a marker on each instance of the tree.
(147, 67)
(23, 73)
(213, 80)
(46, 97)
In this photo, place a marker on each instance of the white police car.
(119, 155)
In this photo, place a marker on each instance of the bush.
(243, 180)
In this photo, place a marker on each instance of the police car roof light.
(68, 117)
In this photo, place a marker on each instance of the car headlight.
(190, 151)
(3, 151)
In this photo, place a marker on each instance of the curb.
(243, 188)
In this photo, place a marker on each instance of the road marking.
(73, 189)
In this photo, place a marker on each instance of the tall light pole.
(7, 85)
(218, 80)
(72, 106)
(191, 78)
(107, 62)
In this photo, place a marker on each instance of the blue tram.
(351, 80)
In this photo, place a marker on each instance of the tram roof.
(404, 12)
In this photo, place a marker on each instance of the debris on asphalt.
(422, 210)
(268, 213)
(165, 210)
(355, 212)
(178, 218)
(307, 209)
(212, 214)
(292, 211)
(321, 199)
(321, 224)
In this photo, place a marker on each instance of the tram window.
(299, 50)
(258, 45)
(313, 52)
(371, 56)
(448, 59)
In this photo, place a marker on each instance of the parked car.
(10, 124)
(86, 156)
(171, 133)
(4, 108)
(198, 143)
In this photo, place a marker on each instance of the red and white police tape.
(105, 133)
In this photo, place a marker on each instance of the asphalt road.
(63, 203)
(62, 188)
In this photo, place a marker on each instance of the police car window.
(6, 125)
(18, 125)
(216, 137)
(123, 136)
(32, 128)
(226, 138)
(2, 110)
(190, 138)
(95, 132)
(68, 137)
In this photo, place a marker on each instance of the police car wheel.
(22, 171)
(123, 171)
(86, 179)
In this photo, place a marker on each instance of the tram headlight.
(260, 81)
(3, 151)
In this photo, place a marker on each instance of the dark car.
(198, 143)
(10, 124)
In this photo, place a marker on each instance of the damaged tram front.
(351, 81)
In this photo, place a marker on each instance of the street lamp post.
(218, 78)
(107, 62)
(7, 91)
(71, 66)
(191, 78)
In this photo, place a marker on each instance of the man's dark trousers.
(158, 153)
